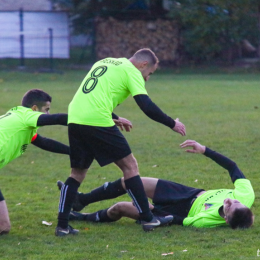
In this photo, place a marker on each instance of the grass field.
(220, 110)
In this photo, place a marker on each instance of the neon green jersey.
(108, 84)
(17, 127)
(205, 209)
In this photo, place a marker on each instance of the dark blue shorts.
(104, 144)
(1, 196)
(174, 198)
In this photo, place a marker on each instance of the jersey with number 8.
(107, 84)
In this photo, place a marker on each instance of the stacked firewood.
(117, 38)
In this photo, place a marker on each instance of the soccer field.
(220, 110)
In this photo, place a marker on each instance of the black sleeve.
(153, 111)
(226, 163)
(54, 119)
(114, 116)
(51, 145)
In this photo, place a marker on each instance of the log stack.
(117, 38)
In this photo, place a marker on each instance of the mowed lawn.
(220, 110)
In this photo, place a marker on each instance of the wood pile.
(117, 38)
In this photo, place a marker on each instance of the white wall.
(36, 34)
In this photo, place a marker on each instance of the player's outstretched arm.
(50, 145)
(156, 114)
(234, 172)
(54, 119)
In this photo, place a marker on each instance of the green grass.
(219, 109)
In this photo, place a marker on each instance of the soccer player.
(93, 134)
(18, 128)
(189, 206)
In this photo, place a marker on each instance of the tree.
(211, 26)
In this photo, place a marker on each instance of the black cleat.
(156, 222)
(77, 216)
(77, 205)
(61, 232)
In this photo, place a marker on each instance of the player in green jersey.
(189, 206)
(93, 134)
(18, 128)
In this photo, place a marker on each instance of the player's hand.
(123, 123)
(179, 127)
(196, 147)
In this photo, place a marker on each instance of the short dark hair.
(241, 218)
(146, 54)
(35, 97)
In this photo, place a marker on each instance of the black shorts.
(1, 196)
(174, 198)
(105, 144)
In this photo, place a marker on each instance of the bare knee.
(116, 211)
(129, 166)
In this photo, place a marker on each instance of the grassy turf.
(220, 110)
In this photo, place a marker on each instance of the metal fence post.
(21, 39)
(51, 48)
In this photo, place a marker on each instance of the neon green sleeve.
(244, 192)
(204, 220)
(136, 83)
(31, 118)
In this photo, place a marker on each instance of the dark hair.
(241, 218)
(146, 54)
(35, 97)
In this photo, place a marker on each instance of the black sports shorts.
(173, 198)
(105, 144)
(1, 196)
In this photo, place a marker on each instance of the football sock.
(109, 190)
(99, 216)
(67, 196)
(135, 190)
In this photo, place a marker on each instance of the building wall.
(44, 34)
(27, 5)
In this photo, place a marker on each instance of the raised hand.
(196, 147)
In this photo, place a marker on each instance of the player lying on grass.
(189, 206)
(18, 128)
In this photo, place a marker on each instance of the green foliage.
(219, 109)
(209, 27)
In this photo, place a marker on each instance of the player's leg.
(134, 186)
(135, 190)
(67, 196)
(5, 224)
(80, 159)
(116, 149)
(149, 185)
(114, 213)
(109, 190)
